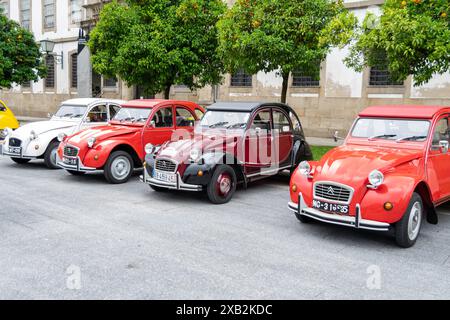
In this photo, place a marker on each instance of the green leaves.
(20, 59)
(155, 44)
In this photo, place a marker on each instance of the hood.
(351, 165)
(41, 127)
(102, 133)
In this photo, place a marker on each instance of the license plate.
(70, 161)
(15, 150)
(164, 176)
(330, 207)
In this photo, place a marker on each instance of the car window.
(441, 133)
(163, 118)
(199, 113)
(295, 122)
(261, 121)
(113, 109)
(184, 117)
(281, 122)
(2, 108)
(98, 114)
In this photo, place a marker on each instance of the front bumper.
(4, 152)
(178, 185)
(355, 222)
(78, 167)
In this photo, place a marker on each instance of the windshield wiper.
(127, 119)
(237, 125)
(218, 124)
(381, 136)
(412, 138)
(76, 116)
(139, 119)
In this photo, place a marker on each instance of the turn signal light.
(294, 188)
(200, 173)
(388, 206)
(96, 157)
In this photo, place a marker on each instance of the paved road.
(128, 242)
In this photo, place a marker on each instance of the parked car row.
(390, 174)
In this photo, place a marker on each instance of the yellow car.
(7, 119)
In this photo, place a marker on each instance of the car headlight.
(91, 142)
(195, 154)
(304, 168)
(33, 135)
(6, 132)
(376, 178)
(61, 136)
(149, 148)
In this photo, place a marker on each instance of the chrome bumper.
(178, 185)
(350, 221)
(3, 152)
(78, 167)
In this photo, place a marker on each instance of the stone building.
(325, 105)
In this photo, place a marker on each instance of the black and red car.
(235, 142)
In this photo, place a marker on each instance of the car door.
(96, 116)
(184, 120)
(258, 142)
(283, 137)
(113, 109)
(160, 127)
(438, 166)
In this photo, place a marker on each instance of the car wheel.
(76, 173)
(303, 219)
(408, 228)
(158, 189)
(222, 186)
(119, 167)
(50, 155)
(20, 160)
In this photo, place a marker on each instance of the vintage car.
(234, 143)
(39, 140)
(117, 149)
(7, 120)
(391, 172)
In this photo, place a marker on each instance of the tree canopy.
(20, 58)
(282, 35)
(158, 43)
(412, 36)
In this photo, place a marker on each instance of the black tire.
(20, 160)
(158, 189)
(76, 173)
(215, 194)
(303, 219)
(111, 175)
(48, 155)
(402, 235)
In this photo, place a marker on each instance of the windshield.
(133, 115)
(225, 119)
(391, 129)
(71, 111)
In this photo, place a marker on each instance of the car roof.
(89, 101)
(403, 111)
(244, 106)
(150, 103)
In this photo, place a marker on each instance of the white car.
(40, 140)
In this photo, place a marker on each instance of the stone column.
(84, 73)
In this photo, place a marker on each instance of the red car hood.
(101, 134)
(351, 165)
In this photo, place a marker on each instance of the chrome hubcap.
(224, 184)
(120, 168)
(414, 221)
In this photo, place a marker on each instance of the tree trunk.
(167, 91)
(285, 87)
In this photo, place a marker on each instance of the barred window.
(380, 76)
(5, 7)
(50, 79)
(26, 85)
(306, 78)
(241, 79)
(25, 14)
(110, 82)
(74, 70)
(49, 13)
(75, 11)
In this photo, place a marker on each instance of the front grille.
(333, 192)
(165, 165)
(13, 142)
(70, 151)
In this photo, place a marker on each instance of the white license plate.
(164, 176)
(15, 150)
(331, 207)
(70, 161)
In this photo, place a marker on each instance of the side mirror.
(336, 136)
(152, 124)
(258, 131)
(444, 145)
(49, 115)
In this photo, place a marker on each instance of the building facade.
(325, 104)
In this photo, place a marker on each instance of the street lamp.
(47, 47)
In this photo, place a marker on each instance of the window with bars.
(4, 6)
(25, 14)
(241, 79)
(306, 78)
(26, 85)
(74, 70)
(50, 79)
(75, 11)
(110, 82)
(49, 9)
(381, 77)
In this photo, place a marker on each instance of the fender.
(103, 150)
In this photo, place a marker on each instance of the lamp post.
(47, 47)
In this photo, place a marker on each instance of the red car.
(235, 142)
(391, 172)
(118, 148)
